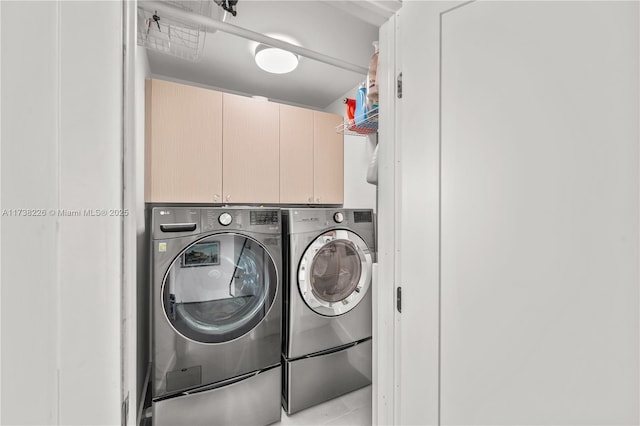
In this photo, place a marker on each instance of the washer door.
(219, 288)
(335, 272)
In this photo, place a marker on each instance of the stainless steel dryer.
(216, 299)
(327, 338)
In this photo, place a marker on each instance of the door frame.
(384, 276)
(128, 304)
(407, 343)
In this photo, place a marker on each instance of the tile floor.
(352, 409)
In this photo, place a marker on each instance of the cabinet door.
(183, 143)
(296, 155)
(251, 150)
(328, 159)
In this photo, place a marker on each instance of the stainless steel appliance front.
(314, 324)
(216, 297)
(327, 307)
(250, 401)
(313, 380)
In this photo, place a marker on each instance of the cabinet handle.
(228, 197)
(311, 199)
(216, 197)
(318, 200)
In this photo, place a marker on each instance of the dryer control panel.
(264, 217)
(258, 220)
(172, 222)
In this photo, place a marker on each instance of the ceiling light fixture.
(274, 60)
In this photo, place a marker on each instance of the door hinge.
(399, 90)
(399, 299)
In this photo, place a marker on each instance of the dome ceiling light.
(274, 60)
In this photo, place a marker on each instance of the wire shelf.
(366, 127)
(172, 36)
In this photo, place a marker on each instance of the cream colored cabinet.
(296, 155)
(204, 146)
(311, 157)
(183, 150)
(251, 154)
(328, 159)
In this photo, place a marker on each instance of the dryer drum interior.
(219, 288)
(335, 271)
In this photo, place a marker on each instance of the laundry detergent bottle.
(351, 109)
(372, 84)
(361, 108)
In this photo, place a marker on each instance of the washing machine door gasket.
(334, 274)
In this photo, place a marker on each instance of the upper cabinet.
(328, 159)
(183, 150)
(311, 157)
(296, 155)
(204, 146)
(251, 155)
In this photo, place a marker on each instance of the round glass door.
(335, 272)
(219, 288)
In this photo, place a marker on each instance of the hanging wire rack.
(173, 36)
(364, 127)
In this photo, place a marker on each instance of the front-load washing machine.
(216, 315)
(327, 306)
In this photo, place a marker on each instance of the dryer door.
(335, 272)
(219, 288)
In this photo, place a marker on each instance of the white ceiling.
(342, 29)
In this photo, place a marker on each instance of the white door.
(519, 237)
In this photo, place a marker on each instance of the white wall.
(61, 93)
(357, 155)
(29, 180)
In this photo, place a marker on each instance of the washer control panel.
(364, 216)
(264, 217)
(338, 217)
(225, 219)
